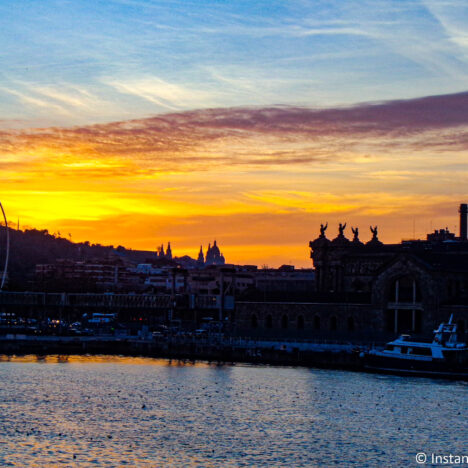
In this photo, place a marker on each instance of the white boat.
(445, 356)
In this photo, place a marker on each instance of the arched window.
(357, 285)
(254, 321)
(333, 325)
(269, 321)
(350, 323)
(400, 317)
(300, 322)
(390, 320)
(317, 322)
(284, 321)
(405, 289)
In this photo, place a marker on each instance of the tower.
(463, 217)
(160, 253)
(169, 251)
(201, 257)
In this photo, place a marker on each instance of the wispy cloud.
(162, 93)
(27, 98)
(104, 61)
(75, 98)
(452, 16)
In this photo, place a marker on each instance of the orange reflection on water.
(102, 359)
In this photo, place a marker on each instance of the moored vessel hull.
(393, 365)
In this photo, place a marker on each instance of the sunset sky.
(136, 122)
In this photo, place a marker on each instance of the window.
(406, 289)
(284, 321)
(357, 285)
(269, 321)
(254, 321)
(350, 323)
(333, 323)
(300, 322)
(420, 351)
(317, 322)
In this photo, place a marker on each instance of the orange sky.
(259, 180)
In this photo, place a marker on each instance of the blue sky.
(80, 62)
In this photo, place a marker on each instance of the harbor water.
(117, 411)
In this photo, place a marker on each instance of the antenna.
(7, 249)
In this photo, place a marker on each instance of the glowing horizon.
(243, 176)
(137, 122)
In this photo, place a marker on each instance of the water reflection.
(106, 359)
(116, 411)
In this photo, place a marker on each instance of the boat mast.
(7, 249)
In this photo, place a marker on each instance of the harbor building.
(372, 289)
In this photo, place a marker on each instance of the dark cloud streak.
(258, 136)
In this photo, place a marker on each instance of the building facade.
(373, 289)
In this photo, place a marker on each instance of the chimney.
(463, 216)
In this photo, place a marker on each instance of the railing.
(405, 305)
(249, 343)
(106, 300)
(139, 301)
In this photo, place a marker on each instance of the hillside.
(32, 246)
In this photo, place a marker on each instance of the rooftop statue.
(355, 231)
(323, 229)
(341, 228)
(374, 232)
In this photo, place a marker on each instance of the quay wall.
(226, 351)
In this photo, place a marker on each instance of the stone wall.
(307, 320)
(330, 321)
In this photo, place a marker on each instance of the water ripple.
(115, 411)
